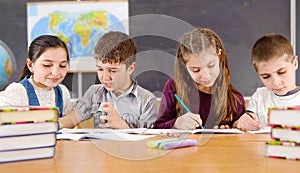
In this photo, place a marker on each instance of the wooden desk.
(221, 153)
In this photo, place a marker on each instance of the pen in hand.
(248, 113)
(185, 107)
(258, 125)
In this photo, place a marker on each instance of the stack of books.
(27, 132)
(285, 123)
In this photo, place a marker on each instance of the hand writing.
(188, 121)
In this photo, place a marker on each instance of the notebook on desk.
(134, 134)
(196, 131)
(103, 134)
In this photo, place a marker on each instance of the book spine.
(25, 158)
(274, 126)
(285, 108)
(16, 147)
(279, 157)
(25, 108)
(283, 143)
(26, 122)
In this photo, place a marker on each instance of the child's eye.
(281, 72)
(265, 77)
(211, 65)
(195, 70)
(47, 65)
(63, 65)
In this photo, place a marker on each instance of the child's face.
(278, 75)
(115, 77)
(204, 69)
(50, 68)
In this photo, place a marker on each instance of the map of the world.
(79, 25)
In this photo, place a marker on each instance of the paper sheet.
(263, 130)
(115, 136)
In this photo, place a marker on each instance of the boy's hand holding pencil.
(249, 121)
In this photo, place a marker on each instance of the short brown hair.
(115, 47)
(269, 47)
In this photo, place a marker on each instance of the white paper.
(177, 131)
(100, 130)
(103, 136)
(263, 130)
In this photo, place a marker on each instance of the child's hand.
(188, 121)
(249, 121)
(222, 127)
(114, 121)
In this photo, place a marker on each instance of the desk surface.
(219, 153)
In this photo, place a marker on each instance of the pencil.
(181, 102)
(185, 107)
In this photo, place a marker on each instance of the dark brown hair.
(38, 46)
(269, 47)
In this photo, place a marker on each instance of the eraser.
(180, 144)
(161, 145)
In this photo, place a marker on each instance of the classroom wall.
(238, 22)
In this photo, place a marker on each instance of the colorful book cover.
(284, 116)
(285, 107)
(282, 150)
(27, 114)
(285, 133)
(25, 108)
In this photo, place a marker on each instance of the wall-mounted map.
(79, 24)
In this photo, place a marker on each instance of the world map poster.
(78, 24)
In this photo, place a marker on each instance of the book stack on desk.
(285, 123)
(27, 132)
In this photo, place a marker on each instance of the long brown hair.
(223, 92)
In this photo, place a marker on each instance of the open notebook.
(143, 133)
(101, 134)
(196, 131)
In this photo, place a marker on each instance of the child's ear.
(29, 65)
(295, 62)
(131, 67)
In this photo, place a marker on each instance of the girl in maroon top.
(202, 81)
